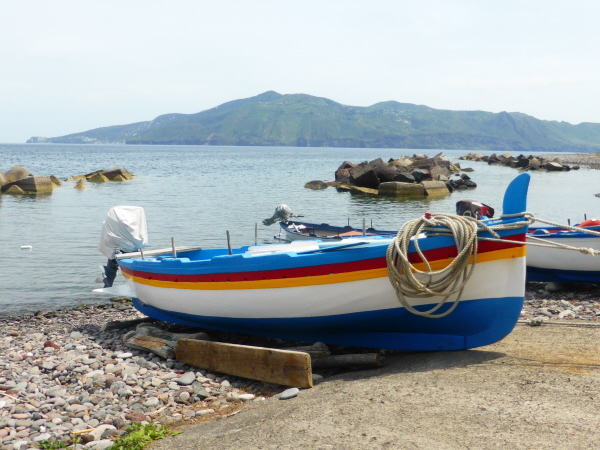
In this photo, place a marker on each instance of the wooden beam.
(150, 330)
(160, 251)
(160, 347)
(121, 324)
(362, 360)
(315, 350)
(283, 367)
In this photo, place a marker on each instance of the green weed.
(54, 445)
(139, 436)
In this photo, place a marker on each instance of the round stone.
(151, 402)
(187, 379)
(289, 393)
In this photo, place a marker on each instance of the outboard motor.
(283, 213)
(474, 209)
(123, 231)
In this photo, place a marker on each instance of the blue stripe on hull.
(562, 276)
(216, 261)
(472, 324)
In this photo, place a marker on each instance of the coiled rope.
(408, 281)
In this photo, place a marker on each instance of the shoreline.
(62, 373)
(588, 160)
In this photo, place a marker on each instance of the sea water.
(194, 194)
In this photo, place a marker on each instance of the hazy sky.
(70, 66)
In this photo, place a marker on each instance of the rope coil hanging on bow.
(408, 281)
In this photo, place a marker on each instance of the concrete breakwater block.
(399, 189)
(435, 188)
(32, 185)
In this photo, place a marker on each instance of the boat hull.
(564, 266)
(335, 329)
(352, 307)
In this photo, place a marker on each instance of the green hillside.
(272, 119)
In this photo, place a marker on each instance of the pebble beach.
(63, 375)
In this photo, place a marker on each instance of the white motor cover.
(123, 230)
(282, 213)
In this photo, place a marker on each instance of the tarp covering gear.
(123, 230)
(282, 213)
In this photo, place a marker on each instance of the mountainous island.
(300, 120)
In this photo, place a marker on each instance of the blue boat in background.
(297, 231)
(553, 264)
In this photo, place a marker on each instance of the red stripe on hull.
(451, 252)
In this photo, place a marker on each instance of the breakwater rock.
(418, 176)
(587, 160)
(522, 162)
(20, 181)
(103, 176)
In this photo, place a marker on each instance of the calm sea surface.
(196, 193)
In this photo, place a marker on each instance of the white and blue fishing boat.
(293, 230)
(552, 263)
(389, 293)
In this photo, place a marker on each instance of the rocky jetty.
(416, 176)
(522, 162)
(20, 181)
(588, 160)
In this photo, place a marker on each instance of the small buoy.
(589, 223)
(26, 247)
